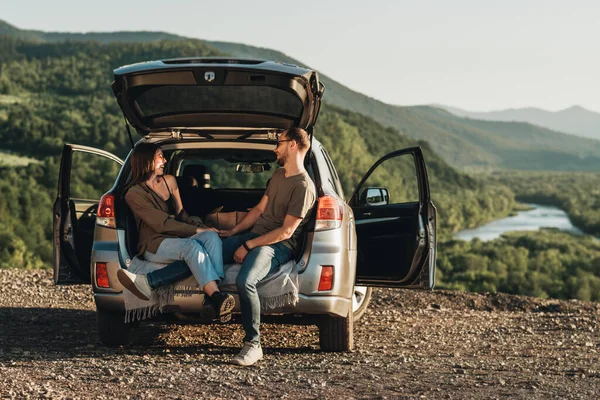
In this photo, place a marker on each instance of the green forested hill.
(102, 37)
(460, 141)
(60, 92)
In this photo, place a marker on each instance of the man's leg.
(257, 265)
(232, 243)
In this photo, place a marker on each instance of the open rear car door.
(85, 175)
(395, 223)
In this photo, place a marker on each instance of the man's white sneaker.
(136, 284)
(249, 355)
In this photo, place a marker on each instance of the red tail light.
(101, 275)
(326, 281)
(330, 213)
(106, 211)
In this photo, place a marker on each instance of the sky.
(472, 54)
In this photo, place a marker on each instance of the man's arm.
(290, 224)
(249, 219)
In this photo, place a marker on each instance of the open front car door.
(85, 175)
(395, 223)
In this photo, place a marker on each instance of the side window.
(333, 173)
(394, 181)
(92, 175)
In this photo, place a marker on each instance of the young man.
(275, 225)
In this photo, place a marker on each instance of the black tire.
(112, 329)
(363, 303)
(336, 333)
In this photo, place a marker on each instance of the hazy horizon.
(510, 108)
(468, 55)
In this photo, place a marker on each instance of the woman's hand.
(200, 230)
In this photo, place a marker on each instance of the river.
(531, 220)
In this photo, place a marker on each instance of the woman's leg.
(178, 270)
(201, 265)
(214, 247)
(174, 272)
(194, 255)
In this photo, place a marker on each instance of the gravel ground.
(409, 344)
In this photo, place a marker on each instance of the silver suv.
(216, 121)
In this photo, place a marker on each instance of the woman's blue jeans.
(200, 255)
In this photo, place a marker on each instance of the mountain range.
(575, 120)
(462, 142)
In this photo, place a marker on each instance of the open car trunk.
(233, 203)
(200, 202)
(230, 204)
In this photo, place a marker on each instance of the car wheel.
(360, 301)
(112, 329)
(336, 333)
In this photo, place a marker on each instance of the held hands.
(199, 230)
(225, 233)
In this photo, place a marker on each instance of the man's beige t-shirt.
(295, 196)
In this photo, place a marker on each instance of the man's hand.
(240, 255)
(225, 233)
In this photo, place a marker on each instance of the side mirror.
(374, 197)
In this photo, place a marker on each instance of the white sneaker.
(249, 354)
(136, 284)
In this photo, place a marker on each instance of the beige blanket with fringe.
(279, 289)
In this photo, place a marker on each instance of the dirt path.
(408, 345)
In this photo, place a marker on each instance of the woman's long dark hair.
(142, 163)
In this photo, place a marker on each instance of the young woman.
(166, 232)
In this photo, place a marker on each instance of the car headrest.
(199, 174)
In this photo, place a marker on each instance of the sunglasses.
(159, 156)
(281, 141)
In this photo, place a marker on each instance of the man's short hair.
(300, 136)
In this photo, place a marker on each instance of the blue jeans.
(200, 255)
(256, 266)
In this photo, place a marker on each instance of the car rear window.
(218, 169)
(174, 99)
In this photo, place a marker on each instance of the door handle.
(367, 214)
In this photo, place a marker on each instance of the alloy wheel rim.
(358, 297)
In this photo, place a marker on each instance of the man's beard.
(281, 160)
